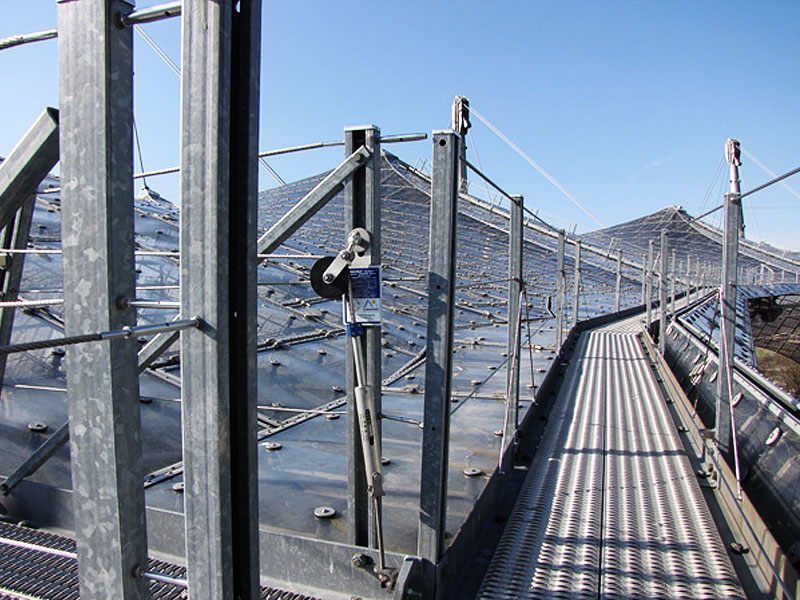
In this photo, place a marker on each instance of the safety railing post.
(618, 293)
(644, 278)
(362, 196)
(577, 285)
(649, 284)
(662, 290)
(514, 304)
(561, 284)
(439, 357)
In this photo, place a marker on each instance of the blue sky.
(627, 104)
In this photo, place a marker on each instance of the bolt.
(328, 278)
(361, 560)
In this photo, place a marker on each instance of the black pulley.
(333, 289)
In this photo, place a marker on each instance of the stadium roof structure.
(189, 407)
(303, 455)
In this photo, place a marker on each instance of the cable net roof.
(301, 361)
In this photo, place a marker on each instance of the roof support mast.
(733, 229)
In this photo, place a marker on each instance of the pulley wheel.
(334, 289)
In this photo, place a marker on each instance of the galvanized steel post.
(577, 284)
(219, 132)
(649, 283)
(362, 201)
(514, 302)
(673, 276)
(560, 289)
(662, 289)
(96, 151)
(618, 294)
(644, 278)
(439, 357)
(730, 258)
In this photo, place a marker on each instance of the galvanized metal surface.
(362, 208)
(219, 126)
(440, 335)
(515, 288)
(611, 507)
(96, 154)
(302, 363)
(728, 310)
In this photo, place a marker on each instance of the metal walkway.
(611, 507)
(37, 565)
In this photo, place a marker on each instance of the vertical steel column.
(362, 200)
(688, 276)
(649, 282)
(15, 237)
(513, 344)
(673, 276)
(618, 295)
(577, 284)
(730, 259)
(439, 361)
(644, 278)
(96, 118)
(219, 129)
(662, 289)
(560, 289)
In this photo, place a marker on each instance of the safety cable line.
(536, 166)
(158, 50)
(139, 149)
(770, 172)
(175, 69)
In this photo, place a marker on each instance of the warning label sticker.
(365, 284)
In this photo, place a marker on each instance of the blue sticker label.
(365, 284)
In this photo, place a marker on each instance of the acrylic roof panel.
(302, 351)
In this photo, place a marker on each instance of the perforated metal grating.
(611, 507)
(39, 565)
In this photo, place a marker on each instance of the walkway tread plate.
(611, 507)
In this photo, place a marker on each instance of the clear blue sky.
(627, 104)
